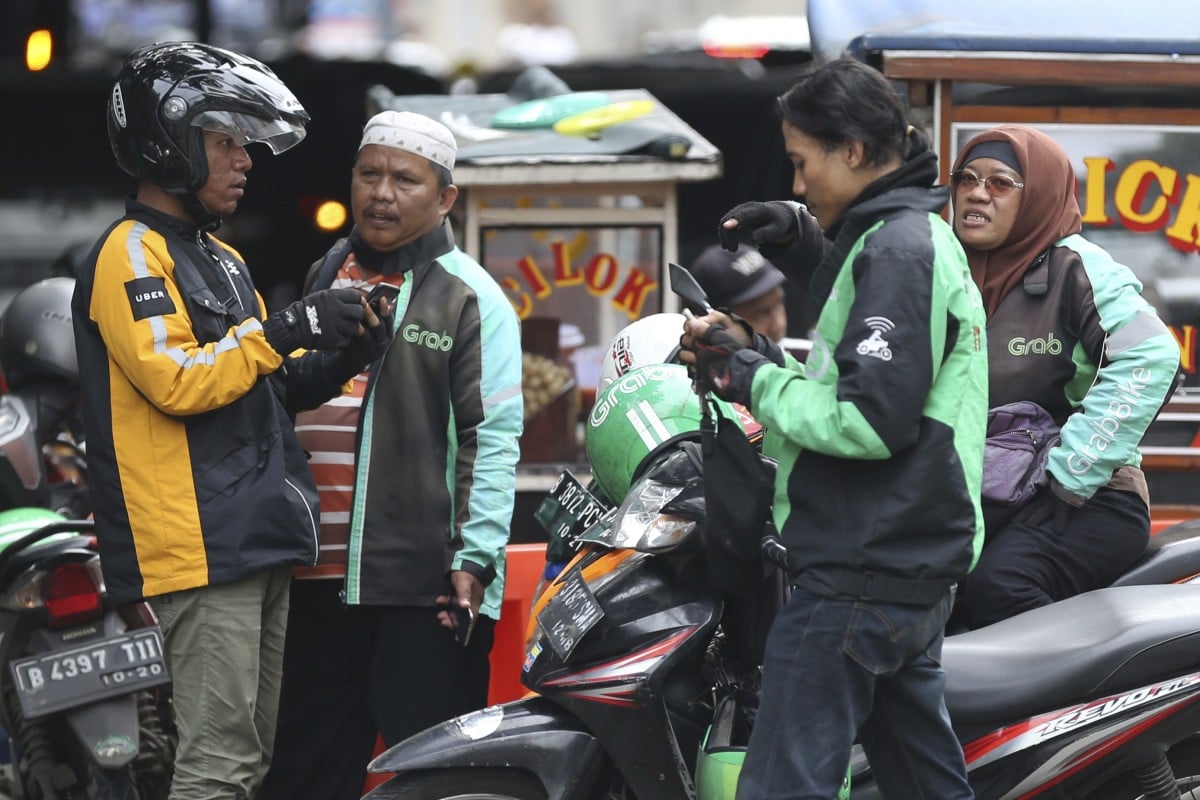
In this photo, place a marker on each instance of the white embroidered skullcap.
(415, 133)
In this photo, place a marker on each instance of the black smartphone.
(464, 623)
(382, 290)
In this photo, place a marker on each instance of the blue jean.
(840, 668)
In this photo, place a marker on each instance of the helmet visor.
(278, 134)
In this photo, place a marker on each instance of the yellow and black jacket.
(196, 474)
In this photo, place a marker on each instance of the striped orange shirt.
(327, 434)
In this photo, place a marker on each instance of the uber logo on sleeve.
(148, 297)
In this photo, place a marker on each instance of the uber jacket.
(1077, 338)
(879, 434)
(195, 472)
(435, 471)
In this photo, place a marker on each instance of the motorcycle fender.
(108, 729)
(531, 734)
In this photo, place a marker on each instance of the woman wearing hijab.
(1067, 329)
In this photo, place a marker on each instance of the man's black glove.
(364, 349)
(770, 223)
(324, 320)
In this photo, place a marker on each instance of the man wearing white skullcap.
(417, 472)
(415, 133)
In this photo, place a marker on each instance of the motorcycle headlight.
(640, 523)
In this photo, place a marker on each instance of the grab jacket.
(879, 435)
(1077, 338)
(195, 472)
(438, 434)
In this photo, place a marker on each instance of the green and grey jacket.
(1078, 338)
(879, 435)
(438, 434)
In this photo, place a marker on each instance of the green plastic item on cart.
(545, 111)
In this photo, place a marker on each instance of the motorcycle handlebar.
(774, 552)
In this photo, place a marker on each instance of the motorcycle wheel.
(1185, 762)
(461, 784)
(111, 784)
(1188, 788)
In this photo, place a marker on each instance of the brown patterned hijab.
(1048, 210)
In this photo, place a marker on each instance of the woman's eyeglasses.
(996, 185)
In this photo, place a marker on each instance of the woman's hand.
(706, 346)
(696, 327)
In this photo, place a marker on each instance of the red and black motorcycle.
(646, 680)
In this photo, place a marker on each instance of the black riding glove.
(773, 223)
(365, 349)
(759, 343)
(725, 366)
(325, 320)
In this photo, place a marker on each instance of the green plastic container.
(721, 755)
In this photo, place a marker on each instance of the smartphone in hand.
(464, 623)
(382, 290)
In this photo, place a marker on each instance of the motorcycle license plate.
(62, 679)
(568, 510)
(569, 614)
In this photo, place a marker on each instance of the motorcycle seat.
(1171, 556)
(1078, 649)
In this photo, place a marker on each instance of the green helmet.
(638, 415)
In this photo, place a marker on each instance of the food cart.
(577, 227)
(577, 223)
(1115, 84)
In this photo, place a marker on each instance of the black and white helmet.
(167, 94)
(653, 339)
(36, 337)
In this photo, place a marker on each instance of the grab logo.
(434, 341)
(1020, 346)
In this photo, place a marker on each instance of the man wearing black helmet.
(203, 499)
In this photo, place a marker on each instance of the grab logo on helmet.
(639, 414)
(654, 339)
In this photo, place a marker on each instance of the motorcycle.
(646, 680)
(83, 698)
(84, 689)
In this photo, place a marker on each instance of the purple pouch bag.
(1019, 438)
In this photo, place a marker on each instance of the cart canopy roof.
(1139, 27)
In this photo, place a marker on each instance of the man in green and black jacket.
(879, 437)
(419, 479)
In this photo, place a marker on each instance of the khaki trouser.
(224, 650)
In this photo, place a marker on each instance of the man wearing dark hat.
(417, 472)
(744, 282)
